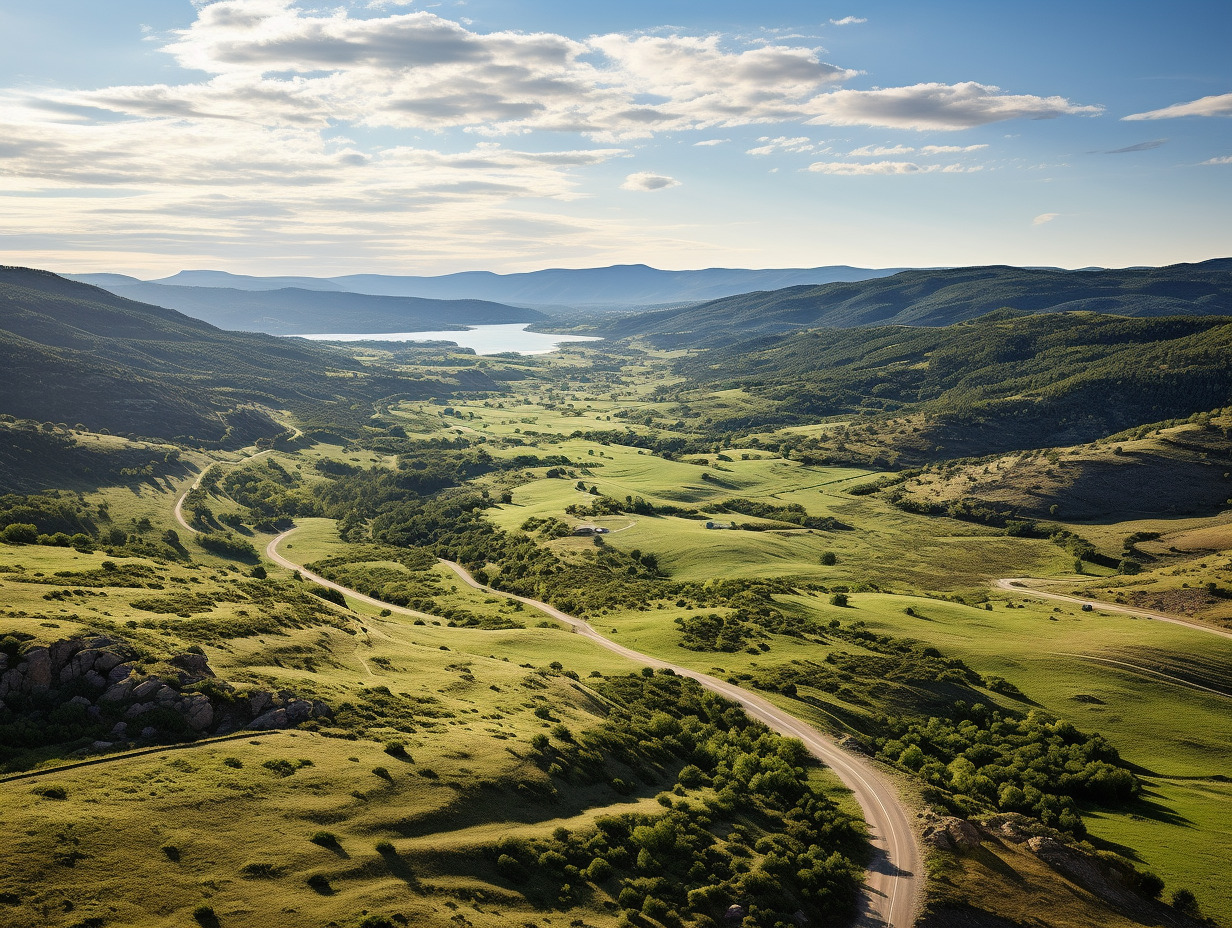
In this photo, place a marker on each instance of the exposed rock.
(119, 672)
(148, 688)
(966, 837)
(38, 669)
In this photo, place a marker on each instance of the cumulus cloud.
(1043, 218)
(1217, 105)
(648, 180)
(937, 106)
(858, 168)
(848, 21)
(1222, 159)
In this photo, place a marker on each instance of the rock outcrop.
(95, 691)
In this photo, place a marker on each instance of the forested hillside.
(74, 353)
(942, 297)
(1002, 382)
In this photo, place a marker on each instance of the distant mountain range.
(939, 298)
(618, 287)
(299, 311)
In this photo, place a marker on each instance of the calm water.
(484, 339)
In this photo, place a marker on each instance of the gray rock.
(119, 672)
(136, 709)
(106, 660)
(118, 692)
(200, 713)
(148, 688)
(79, 701)
(165, 695)
(120, 729)
(149, 732)
(259, 702)
(94, 679)
(275, 718)
(966, 837)
(102, 745)
(38, 670)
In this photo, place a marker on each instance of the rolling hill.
(74, 353)
(299, 311)
(942, 297)
(1006, 381)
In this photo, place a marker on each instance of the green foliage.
(802, 853)
(228, 545)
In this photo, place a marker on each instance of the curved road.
(894, 879)
(179, 503)
(1019, 585)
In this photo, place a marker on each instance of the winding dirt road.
(895, 876)
(179, 503)
(1019, 585)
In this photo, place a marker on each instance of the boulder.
(966, 837)
(148, 688)
(120, 691)
(119, 672)
(200, 713)
(38, 669)
(94, 679)
(274, 718)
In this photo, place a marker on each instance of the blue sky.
(277, 137)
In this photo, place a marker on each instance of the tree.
(838, 599)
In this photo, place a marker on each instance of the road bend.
(1019, 585)
(889, 898)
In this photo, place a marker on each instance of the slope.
(1003, 382)
(943, 297)
(299, 311)
(73, 353)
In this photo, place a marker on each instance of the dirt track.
(895, 875)
(1018, 585)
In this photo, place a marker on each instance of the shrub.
(397, 749)
(320, 883)
(829, 559)
(233, 762)
(383, 773)
(205, 916)
(325, 839)
(838, 599)
(50, 792)
(385, 848)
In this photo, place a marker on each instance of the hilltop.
(74, 353)
(939, 298)
(1003, 382)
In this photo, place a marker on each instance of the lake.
(483, 339)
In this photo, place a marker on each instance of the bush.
(50, 792)
(205, 916)
(397, 749)
(1186, 903)
(385, 848)
(320, 883)
(20, 533)
(829, 559)
(325, 839)
(838, 599)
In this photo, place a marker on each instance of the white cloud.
(949, 149)
(848, 21)
(1043, 218)
(794, 145)
(936, 106)
(707, 142)
(1222, 159)
(1217, 105)
(856, 168)
(880, 151)
(648, 180)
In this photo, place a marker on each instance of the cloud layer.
(298, 126)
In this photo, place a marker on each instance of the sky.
(389, 136)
